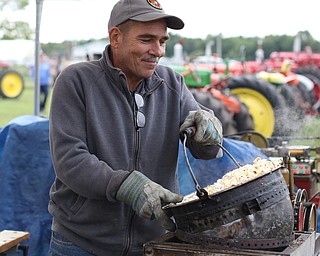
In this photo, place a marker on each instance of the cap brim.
(173, 22)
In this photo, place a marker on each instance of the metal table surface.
(304, 244)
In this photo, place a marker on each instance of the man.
(115, 126)
(45, 79)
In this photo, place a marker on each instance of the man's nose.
(157, 49)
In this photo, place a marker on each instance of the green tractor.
(11, 82)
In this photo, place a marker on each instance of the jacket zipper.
(128, 237)
(132, 214)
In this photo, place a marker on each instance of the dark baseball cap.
(141, 10)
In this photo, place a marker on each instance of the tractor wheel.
(313, 73)
(292, 98)
(314, 94)
(243, 119)
(297, 107)
(207, 100)
(265, 104)
(306, 96)
(11, 84)
(312, 70)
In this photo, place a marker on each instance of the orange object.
(230, 103)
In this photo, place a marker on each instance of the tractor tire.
(306, 96)
(313, 96)
(292, 98)
(312, 70)
(266, 105)
(243, 119)
(11, 84)
(210, 102)
(313, 73)
(296, 104)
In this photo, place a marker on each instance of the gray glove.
(208, 127)
(146, 196)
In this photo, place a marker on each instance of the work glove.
(208, 128)
(146, 198)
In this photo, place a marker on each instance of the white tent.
(91, 50)
(17, 52)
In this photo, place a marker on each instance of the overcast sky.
(85, 19)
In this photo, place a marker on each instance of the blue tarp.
(26, 176)
(27, 173)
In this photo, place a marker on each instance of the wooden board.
(11, 238)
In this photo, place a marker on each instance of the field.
(311, 129)
(24, 105)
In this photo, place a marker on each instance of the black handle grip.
(190, 131)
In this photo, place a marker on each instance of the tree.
(13, 4)
(14, 29)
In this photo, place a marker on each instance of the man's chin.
(149, 72)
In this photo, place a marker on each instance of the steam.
(288, 121)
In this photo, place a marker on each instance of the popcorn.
(238, 176)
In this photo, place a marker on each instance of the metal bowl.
(258, 211)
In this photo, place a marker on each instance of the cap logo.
(155, 4)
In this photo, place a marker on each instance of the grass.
(310, 130)
(24, 105)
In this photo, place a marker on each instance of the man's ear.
(115, 36)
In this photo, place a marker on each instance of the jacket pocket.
(78, 204)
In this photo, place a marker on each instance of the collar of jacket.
(147, 86)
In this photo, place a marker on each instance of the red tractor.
(300, 69)
(277, 99)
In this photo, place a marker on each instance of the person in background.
(115, 126)
(45, 79)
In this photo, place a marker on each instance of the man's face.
(140, 48)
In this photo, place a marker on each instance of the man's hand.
(208, 127)
(146, 198)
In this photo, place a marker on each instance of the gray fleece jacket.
(95, 145)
